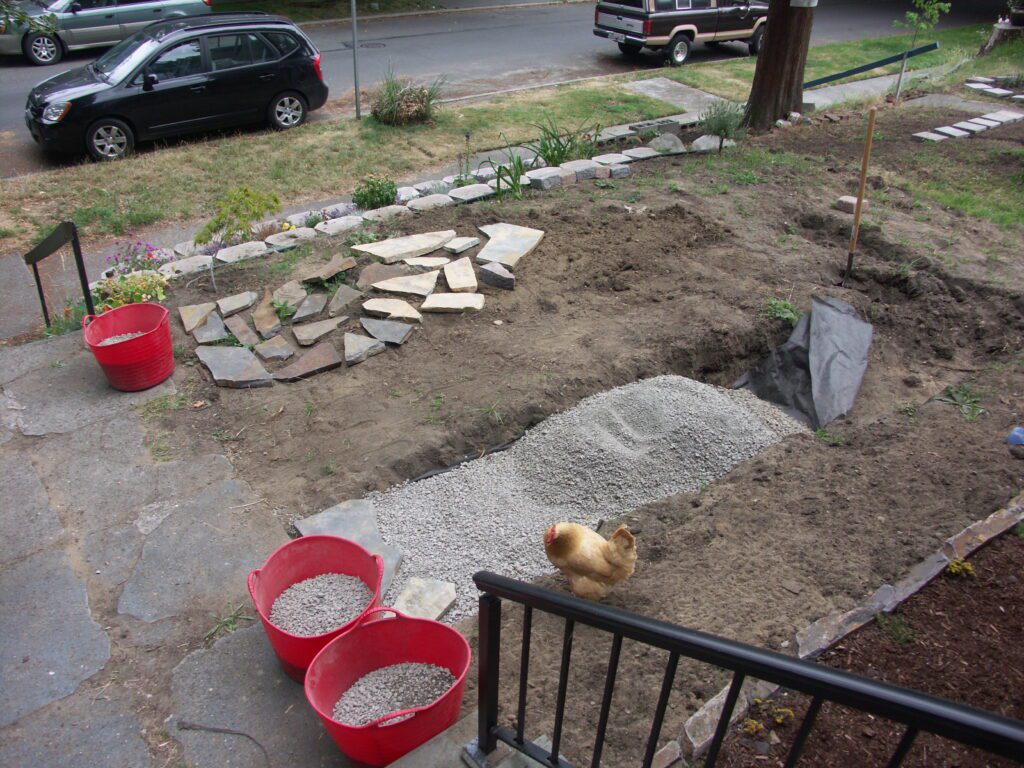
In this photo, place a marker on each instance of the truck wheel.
(41, 48)
(755, 41)
(630, 49)
(678, 50)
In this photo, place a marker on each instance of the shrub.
(129, 289)
(558, 145)
(237, 212)
(780, 309)
(375, 191)
(399, 102)
(723, 119)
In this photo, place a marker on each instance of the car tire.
(678, 51)
(630, 49)
(755, 41)
(42, 49)
(287, 110)
(109, 139)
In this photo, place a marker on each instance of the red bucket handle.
(88, 319)
(252, 584)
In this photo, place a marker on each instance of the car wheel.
(630, 49)
(755, 41)
(109, 139)
(678, 50)
(287, 111)
(41, 48)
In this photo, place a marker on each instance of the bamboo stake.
(860, 194)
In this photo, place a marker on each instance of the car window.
(239, 50)
(686, 5)
(119, 61)
(182, 60)
(91, 4)
(664, 5)
(133, 2)
(262, 51)
(283, 41)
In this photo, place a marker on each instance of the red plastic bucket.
(381, 643)
(302, 559)
(138, 363)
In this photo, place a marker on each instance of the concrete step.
(445, 750)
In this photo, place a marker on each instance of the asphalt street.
(477, 52)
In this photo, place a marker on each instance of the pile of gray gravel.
(392, 689)
(120, 337)
(320, 604)
(612, 453)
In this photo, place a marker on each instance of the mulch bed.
(959, 638)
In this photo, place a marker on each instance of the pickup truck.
(674, 26)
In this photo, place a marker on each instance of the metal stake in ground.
(355, 60)
(860, 194)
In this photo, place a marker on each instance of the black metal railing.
(873, 65)
(917, 711)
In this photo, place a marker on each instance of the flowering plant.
(133, 256)
(129, 289)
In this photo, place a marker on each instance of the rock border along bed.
(819, 636)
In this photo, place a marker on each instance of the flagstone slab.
(374, 273)
(981, 79)
(194, 315)
(186, 249)
(425, 598)
(970, 127)
(392, 309)
(1004, 116)
(387, 331)
(641, 153)
(339, 226)
(340, 263)
(310, 307)
(417, 285)
(508, 244)
(342, 298)
(460, 276)
(949, 130)
(930, 136)
(471, 193)
(613, 158)
(398, 248)
(241, 252)
(980, 85)
(460, 244)
(999, 93)
(291, 293)
(212, 331)
(291, 238)
(432, 202)
(237, 303)
(310, 333)
(234, 367)
(265, 318)
(322, 357)
(496, 275)
(359, 347)
(276, 348)
(453, 302)
(433, 187)
(186, 266)
(386, 213)
(241, 331)
(984, 122)
(30, 524)
(427, 262)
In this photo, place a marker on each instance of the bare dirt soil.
(668, 273)
(954, 639)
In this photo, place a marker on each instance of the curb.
(434, 12)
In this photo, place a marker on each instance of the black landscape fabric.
(816, 374)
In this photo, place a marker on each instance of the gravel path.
(320, 604)
(119, 338)
(612, 453)
(392, 689)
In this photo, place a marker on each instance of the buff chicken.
(590, 562)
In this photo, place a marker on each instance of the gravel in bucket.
(320, 604)
(119, 338)
(392, 689)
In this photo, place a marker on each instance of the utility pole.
(355, 60)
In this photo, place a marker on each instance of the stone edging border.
(817, 637)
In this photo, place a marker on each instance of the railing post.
(490, 652)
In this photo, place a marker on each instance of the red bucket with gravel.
(132, 344)
(388, 685)
(311, 590)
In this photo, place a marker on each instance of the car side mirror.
(75, 7)
(149, 80)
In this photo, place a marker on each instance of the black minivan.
(191, 74)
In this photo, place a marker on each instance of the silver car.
(87, 24)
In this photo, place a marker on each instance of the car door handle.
(197, 88)
(267, 77)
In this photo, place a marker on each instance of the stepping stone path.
(237, 303)
(339, 226)
(970, 127)
(460, 276)
(460, 244)
(496, 275)
(291, 293)
(344, 296)
(392, 309)
(399, 248)
(309, 334)
(508, 244)
(211, 331)
(956, 133)
(310, 307)
(291, 238)
(930, 136)
(374, 273)
(335, 266)
(431, 202)
(241, 252)
(194, 315)
(386, 213)
(453, 302)
(428, 262)
(358, 348)
(985, 122)
(471, 193)
(276, 348)
(234, 367)
(241, 331)
(387, 331)
(322, 357)
(417, 285)
(265, 318)
(425, 598)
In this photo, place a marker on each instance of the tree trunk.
(778, 80)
